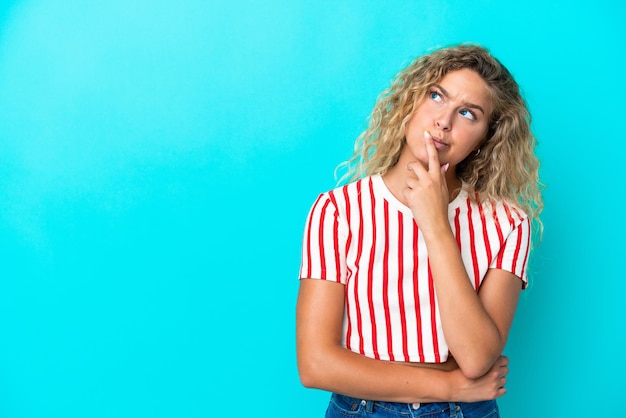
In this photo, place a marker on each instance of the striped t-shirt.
(360, 235)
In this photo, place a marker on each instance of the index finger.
(434, 166)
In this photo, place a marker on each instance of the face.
(456, 112)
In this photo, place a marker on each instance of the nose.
(443, 120)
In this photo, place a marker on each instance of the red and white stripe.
(361, 236)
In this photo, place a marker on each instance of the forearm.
(337, 369)
(324, 363)
(472, 335)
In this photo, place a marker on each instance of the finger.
(408, 193)
(502, 361)
(411, 183)
(417, 168)
(433, 156)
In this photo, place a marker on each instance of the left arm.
(476, 326)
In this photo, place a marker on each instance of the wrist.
(453, 386)
(437, 231)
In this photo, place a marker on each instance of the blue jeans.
(344, 407)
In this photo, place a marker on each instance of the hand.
(487, 387)
(427, 192)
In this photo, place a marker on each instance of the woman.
(411, 272)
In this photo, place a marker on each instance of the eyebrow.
(467, 104)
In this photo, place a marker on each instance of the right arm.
(324, 363)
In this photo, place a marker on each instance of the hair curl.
(505, 169)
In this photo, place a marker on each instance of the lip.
(439, 144)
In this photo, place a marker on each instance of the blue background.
(158, 160)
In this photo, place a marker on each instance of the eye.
(436, 96)
(467, 114)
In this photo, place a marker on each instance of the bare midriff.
(450, 364)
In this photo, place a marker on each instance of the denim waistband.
(440, 409)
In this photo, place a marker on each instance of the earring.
(477, 152)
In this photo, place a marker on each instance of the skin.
(456, 113)
(476, 325)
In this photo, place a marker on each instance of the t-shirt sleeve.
(513, 255)
(324, 243)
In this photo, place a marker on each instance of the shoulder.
(505, 213)
(505, 216)
(343, 199)
(510, 211)
(498, 207)
(348, 192)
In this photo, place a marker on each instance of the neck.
(395, 180)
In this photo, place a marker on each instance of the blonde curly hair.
(505, 169)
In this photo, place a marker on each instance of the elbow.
(475, 362)
(473, 371)
(309, 372)
(476, 367)
(308, 380)
(307, 376)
